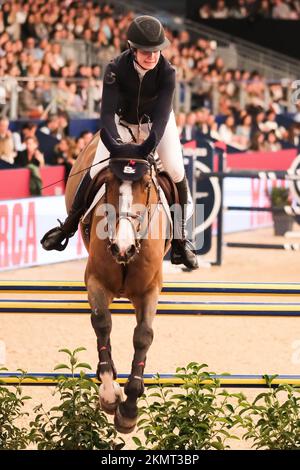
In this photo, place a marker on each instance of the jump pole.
(71, 307)
(264, 246)
(228, 381)
(181, 288)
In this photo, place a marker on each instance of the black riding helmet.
(147, 33)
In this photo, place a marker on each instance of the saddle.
(163, 178)
(96, 183)
(169, 188)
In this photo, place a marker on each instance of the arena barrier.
(292, 175)
(289, 175)
(124, 307)
(265, 246)
(289, 210)
(227, 381)
(169, 288)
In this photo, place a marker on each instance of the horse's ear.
(107, 139)
(149, 145)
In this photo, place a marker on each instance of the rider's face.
(147, 60)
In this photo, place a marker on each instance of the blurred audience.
(86, 136)
(7, 145)
(189, 129)
(271, 143)
(29, 105)
(33, 159)
(52, 127)
(243, 130)
(65, 154)
(257, 141)
(30, 155)
(238, 9)
(234, 105)
(78, 87)
(28, 130)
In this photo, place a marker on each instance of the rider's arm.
(110, 101)
(163, 106)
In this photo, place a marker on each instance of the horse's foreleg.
(127, 412)
(109, 392)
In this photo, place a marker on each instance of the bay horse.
(123, 264)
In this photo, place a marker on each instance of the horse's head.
(129, 190)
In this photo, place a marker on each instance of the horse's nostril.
(130, 251)
(114, 249)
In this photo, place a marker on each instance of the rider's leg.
(57, 238)
(170, 154)
(54, 238)
(182, 251)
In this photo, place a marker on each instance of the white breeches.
(168, 150)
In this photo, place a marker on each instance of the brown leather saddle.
(164, 181)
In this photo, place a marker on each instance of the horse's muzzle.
(123, 257)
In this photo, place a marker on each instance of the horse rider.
(137, 99)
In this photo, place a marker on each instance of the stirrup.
(59, 246)
(189, 244)
(179, 256)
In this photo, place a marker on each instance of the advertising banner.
(23, 222)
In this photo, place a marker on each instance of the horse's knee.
(143, 336)
(101, 321)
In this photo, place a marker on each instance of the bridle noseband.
(132, 217)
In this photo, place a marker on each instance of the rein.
(77, 173)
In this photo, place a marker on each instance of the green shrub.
(13, 436)
(280, 197)
(77, 422)
(199, 417)
(272, 420)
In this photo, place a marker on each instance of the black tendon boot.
(182, 251)
(57, 238)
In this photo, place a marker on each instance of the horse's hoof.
(123, 424)
(110, 407)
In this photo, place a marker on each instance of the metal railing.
(30, 97)
(36, 97)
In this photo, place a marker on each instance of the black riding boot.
(182, 251)
(57, 238)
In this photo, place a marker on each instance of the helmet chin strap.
(135, 59)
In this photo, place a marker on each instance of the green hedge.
(199, 414)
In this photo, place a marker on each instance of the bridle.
(134, 218)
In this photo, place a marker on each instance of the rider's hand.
(126, 150)
(130, 150)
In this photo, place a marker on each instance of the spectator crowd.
(239, 9)
(242, 131)
(39, 73)
(53, 86)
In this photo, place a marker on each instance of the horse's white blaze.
(125, 234)
(107, 391)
